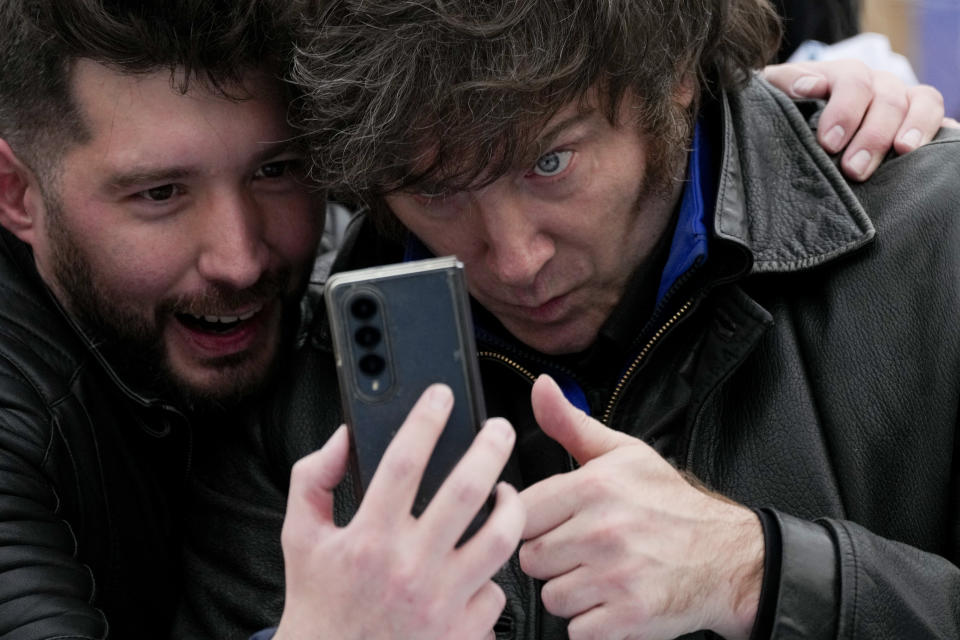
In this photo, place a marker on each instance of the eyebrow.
(147, 174)
(546, 139)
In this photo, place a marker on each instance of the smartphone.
(396, 330)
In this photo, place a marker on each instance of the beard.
(133, 343)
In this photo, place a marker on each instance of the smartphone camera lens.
(372, 364)
(367, 336)
(363, 308)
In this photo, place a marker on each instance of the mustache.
(221, 299)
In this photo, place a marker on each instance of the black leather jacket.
(820, 357)
(91, 475)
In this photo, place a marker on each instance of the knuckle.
(409, 573)
(365, 554)
(596, 486)
(401, 466)
(861, 84)
(466, 491)
(554, 598)
(607, 536)
(431, 614)
(925, 93)
(501, 543)
(883, 78)
(857, 69)
(894, 98)
(403, 586)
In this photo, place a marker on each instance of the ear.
(19, 195)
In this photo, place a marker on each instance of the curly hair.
(213, 42)
(449, 94)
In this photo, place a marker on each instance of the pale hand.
(628, 547)
(868, 112)
(388, 575)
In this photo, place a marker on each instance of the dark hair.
(449, 94)
(213, 42)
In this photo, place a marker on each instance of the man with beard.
(733, 374)
(155, 244)
(156, 241)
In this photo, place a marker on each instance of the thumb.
(583, 437)
(312, 480)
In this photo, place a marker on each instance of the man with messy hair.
(731, 373)
(155, 243)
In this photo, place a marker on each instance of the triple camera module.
(369, 346)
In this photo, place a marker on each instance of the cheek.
(294, 228)
(140, 270)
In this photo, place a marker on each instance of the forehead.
(439, 167)
(125, 113)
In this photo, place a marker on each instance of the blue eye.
(552, 163)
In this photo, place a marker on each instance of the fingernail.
(805, 85)
(860, 161)
(834, 138)
(499, 428)
(439, 396)
(912, 138)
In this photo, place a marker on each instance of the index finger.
(394, 485)
(548, 503)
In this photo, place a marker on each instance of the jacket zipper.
(640, 356)
(509, 362)
(623, 379)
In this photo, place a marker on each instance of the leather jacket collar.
(760, 173)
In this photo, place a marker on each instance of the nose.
(233, 249)
(517, 246)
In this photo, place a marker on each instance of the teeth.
(229, 319)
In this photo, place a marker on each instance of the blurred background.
(917, 39)
(927, 32)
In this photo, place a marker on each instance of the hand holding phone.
(396, 330)
(423, 584)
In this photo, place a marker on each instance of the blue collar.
(689, 246)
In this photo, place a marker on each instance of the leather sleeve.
(839, 580)
(45, 591)
(807, 586)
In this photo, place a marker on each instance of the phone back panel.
(422, 315)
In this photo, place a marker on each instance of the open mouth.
(218, 324)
